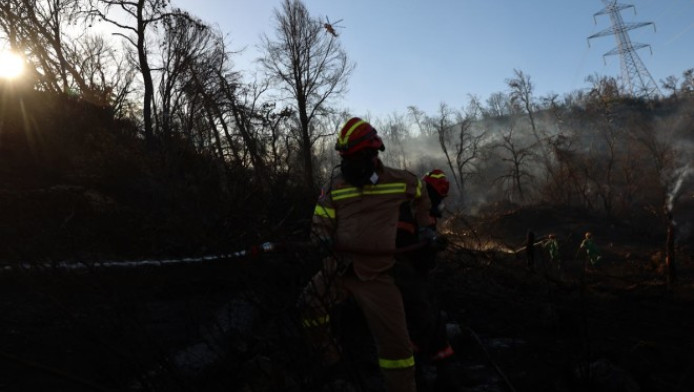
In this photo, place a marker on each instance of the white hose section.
(78, 265)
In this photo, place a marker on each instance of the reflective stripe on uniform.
(324, 212)
(396, 363)
(316, 322)
(378, 189)
(418, 192)
(345, 138)
(345, 193)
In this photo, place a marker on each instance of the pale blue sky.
(416, 52)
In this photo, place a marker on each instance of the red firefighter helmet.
(437, 179)
(357, 135)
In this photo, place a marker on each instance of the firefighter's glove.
(433, 241)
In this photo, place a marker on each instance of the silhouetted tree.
(498, 105)
(188, 45)
(467, 144)
(135, 19)
(670, 83)
(424, 124)
(516, 155)
(108, 76)
(396, 135)
(444, 124)
(310, 68)
(603, 155)
(687, 86)
(521, 95)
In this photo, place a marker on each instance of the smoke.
(674, 131)
(616, 158)
(419, 153)
(680, 175)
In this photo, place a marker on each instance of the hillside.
(78, 183)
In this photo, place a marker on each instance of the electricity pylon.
(636, 79)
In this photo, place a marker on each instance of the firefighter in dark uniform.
(358, 214)
(426, 326)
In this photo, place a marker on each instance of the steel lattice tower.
(636, 79)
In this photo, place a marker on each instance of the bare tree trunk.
(311, 69)
(146, 74)
(306, 152)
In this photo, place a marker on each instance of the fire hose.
(250, 252)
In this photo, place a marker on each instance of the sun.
(11, 65)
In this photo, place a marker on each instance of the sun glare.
(11, 65)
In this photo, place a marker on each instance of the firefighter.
(552, 246)
(592, 252)
(425, 324)
(358, 214)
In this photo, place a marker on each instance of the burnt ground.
(232, 324)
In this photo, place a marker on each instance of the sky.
(424, 53)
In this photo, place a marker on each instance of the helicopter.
(330, 27)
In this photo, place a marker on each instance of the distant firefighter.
(552, 246)
(592, 252)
